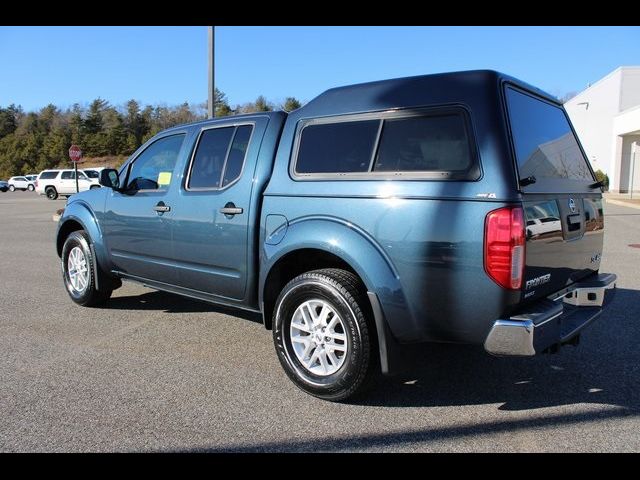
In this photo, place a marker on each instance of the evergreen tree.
(34, 141)
(222, 108)
(290, 104)
(262, 105)
(8, 121)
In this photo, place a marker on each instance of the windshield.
(544, 142)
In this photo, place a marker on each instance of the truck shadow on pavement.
(422, 436)
(171, 303)
(604, 369)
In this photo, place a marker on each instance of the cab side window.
(219, 157)
(153, 168)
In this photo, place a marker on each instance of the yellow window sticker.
(164, 178)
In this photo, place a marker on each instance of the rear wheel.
(79, 270)
(31, 188)
(51, 193)
(322, 335)
(12, 188)
(94, 187)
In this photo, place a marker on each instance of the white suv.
(93, 174)
(62, 182)
(20, 183)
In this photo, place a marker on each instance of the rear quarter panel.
(434, 287)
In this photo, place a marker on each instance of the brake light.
(504, 243)
(36, 183)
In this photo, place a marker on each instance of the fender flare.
(81, 212)
(358, 249)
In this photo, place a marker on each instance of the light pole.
(633, 167)
(211, 108)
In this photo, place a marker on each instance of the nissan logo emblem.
(572, 205)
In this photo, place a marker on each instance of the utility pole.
(212, 87)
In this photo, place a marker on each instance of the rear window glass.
(544, 144)
(48, 175)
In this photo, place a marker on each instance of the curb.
(623, 203)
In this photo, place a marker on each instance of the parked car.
(377, 215)
(21, 183)
(53, 183)
(4, 186)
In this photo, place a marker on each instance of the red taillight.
(36, 183)
(504, 246)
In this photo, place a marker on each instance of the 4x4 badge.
(572, 205)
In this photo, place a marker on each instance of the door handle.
(231, 209)
(161, 208)
(574, 221)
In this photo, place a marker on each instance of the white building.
(606, 117)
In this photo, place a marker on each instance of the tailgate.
(563, 206)
(564, 241)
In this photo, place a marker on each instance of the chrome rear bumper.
(549, 323)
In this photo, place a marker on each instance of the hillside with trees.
(33, 141)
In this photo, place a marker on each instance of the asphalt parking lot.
(155, 372)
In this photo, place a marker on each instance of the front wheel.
(322, 336)
(79, 270)
(12, 188)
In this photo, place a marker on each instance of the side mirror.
(109, 178)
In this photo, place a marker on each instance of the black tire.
(12, 188)
(93, 187)
(51, 193)
(345, 293)
(31, 188)
(88, 296)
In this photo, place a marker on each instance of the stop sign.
(75, 154)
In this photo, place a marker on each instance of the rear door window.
(219, 157)
(208, 162)
(48, 175)
(235, 159)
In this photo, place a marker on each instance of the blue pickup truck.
(455, 207)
